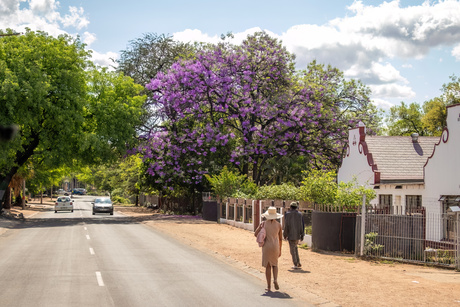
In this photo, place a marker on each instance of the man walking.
(294, 230)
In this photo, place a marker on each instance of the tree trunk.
(5, 182)
(21, 157)
(23, 194)
(7, 198)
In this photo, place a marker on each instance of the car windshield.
(103, 201)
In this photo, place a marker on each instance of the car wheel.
(55, 211)
(111, 213)
(72, 210)
(94, 213)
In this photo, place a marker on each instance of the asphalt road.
(77, 259)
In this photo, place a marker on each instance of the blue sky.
(403, 50)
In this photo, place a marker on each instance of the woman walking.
(271, 250)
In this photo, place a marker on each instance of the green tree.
(68, 112)
(435, 116)
(406, 119)
(451, 91)
(144, 58)
(42, 85)
(112, 114)
(428, 120)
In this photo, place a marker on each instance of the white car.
(63, 203)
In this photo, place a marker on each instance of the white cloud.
(456, 52)
(88, 38)
(376, 73)
(40, 15)
(75, 18)
(43, 6)
(382, 103)
(363, 43)
(105, 59)
(195, 35)
(392, 90)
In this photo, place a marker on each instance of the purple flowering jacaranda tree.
(235, 105)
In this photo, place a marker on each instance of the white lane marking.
(99, 279)
(87, 237)
(86, 228)
(91, 251)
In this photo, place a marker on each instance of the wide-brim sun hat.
(271, 214)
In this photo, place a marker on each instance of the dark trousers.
(294, 252)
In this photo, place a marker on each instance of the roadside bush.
(319, 187)
(117, 193)
(230, 184)
(119, 200)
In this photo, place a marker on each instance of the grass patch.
(350, 259)
(303, 246)
(125, 205)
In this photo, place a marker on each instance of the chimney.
(414, 137)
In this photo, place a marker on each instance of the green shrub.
(117, 193)
(230, 184)
(119, 199)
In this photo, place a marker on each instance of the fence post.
(458, 241)
(363, 226)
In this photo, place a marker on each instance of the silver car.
(63, 203)
(102, 205)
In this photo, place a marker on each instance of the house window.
(413, 203)
(385, 201)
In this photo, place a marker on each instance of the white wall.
(399, 195)
(355, 164)
(442, 171)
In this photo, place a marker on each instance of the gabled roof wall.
(385, 159)
(357, 163)
(442, 169)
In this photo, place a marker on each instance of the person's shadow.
(299, 271)
(277, 294)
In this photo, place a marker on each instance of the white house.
(407, 172)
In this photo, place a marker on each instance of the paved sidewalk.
(10, 218)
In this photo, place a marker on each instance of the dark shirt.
(294, 228)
